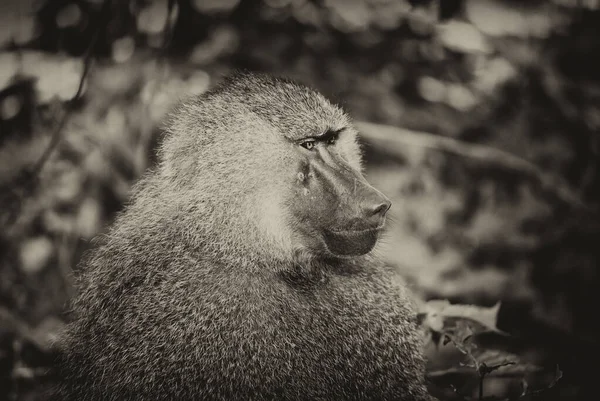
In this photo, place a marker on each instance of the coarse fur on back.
(239, 270)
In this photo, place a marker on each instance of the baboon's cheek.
(312, 203)
(311, 212)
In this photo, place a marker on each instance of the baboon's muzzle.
(347, 211)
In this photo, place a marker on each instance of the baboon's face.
(336, 211)
(277, 165)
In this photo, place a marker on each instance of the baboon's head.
(274, 163)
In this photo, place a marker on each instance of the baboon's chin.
(350, 243)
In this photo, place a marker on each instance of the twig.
(481, 377)
(168, 31)
(395, 139)
(162, 67)
(87, 61)
(464, 370)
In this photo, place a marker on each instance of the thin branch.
(395, 139)
(87, 61)
(169, 25)
(147, 125)
(519, 371)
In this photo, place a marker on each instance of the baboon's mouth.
(350, 243)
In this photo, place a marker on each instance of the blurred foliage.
(499, 205)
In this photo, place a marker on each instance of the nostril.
(380, 209)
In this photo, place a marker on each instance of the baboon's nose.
(375, 207)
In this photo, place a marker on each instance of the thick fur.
(203, 291)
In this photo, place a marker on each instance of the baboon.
(242, 268)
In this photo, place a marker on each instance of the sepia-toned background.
(480, 120)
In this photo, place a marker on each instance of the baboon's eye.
(308, 144)
(332, 139)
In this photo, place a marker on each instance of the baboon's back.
(199, 330)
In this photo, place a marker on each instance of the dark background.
(489, 149)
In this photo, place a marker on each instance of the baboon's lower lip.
(350, 243)
(356, 232)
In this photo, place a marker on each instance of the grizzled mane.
(221, 280)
